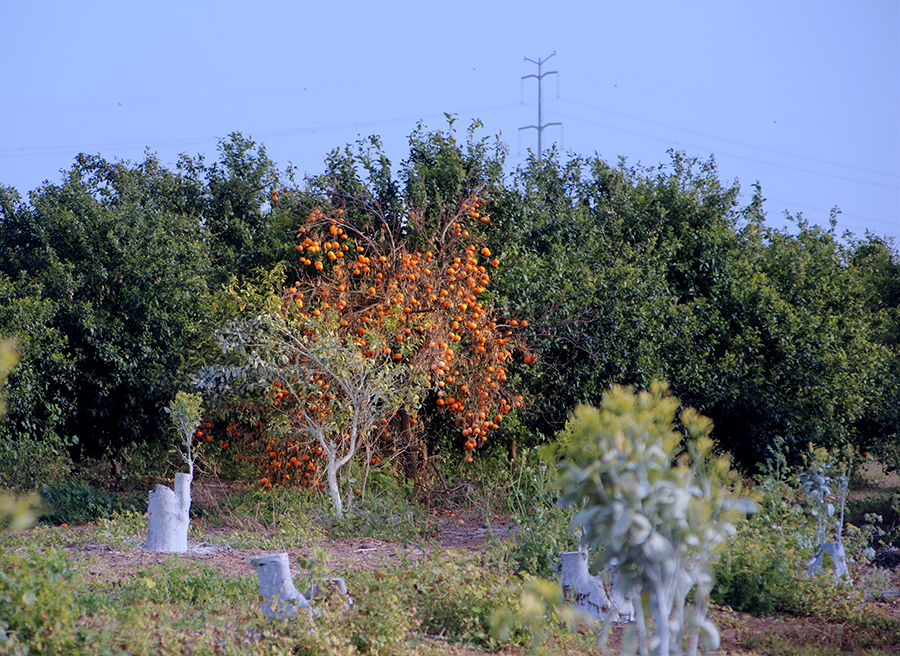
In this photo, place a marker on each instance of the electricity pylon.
(540, 124)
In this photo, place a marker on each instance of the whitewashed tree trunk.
(835, 560)
(588, 593)
(169, 516)
(280, 598)
(333, 488)
(584, 590)
(276, 586)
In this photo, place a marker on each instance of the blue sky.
(802, 96)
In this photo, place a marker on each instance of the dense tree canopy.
(634, 274)
(113, 280)
(107, 280)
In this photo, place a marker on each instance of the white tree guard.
(276, 586)
(588, 593)
(280, 598)
(169, 516)
(835, 560)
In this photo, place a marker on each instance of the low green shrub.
(26, 463)
(177, 581)
(544, 528)
(457, 596)
(37, 604)
(77, 501)
(280, 518)
(763, 568)
(382, 617)
(381, 518)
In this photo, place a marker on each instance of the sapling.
(168, 512)
(656, 502)
(817, 483)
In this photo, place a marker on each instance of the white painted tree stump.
(168, 516)
(588, 593)
(276, 586)
(832, 557)
(280, 598)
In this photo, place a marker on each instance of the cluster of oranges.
(415, 302)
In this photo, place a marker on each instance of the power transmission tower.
(540, 124)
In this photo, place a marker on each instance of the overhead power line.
(669, 141)
(158, 143)
(730, 141)
(769, 110)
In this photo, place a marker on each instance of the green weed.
(37, 608)
(77, 501)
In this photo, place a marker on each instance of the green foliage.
(457, 598)
(655, 502)
(878, 262)
(630, 274)
(17, 512)
(32, 448)
(232, 196)
(544, 527)
(277, 519)
(382, 616)
(8, 359)
(77, 501)
(538, 614)
(115, 272)
(763, 570)
(185, 411)
(381, 518)
(185, 582)
(37, 609)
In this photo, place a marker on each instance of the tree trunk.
(410, 451)
(582, 589)
(168, 515)
(331, 470)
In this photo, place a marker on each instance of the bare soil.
(469, 533)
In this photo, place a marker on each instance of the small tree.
(817, 482)
(654, 504)
(185, 412)
(327, 392)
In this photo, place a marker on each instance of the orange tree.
(402, 283)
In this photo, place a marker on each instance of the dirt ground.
(459, 532)
(468, 535)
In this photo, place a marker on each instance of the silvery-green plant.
(817, 482)
(185, 411)
(658, 503)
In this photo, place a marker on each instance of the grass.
(91, 590)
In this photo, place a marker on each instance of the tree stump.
(831, 556)
(276, 586)
(168, 516)
(588, 593)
